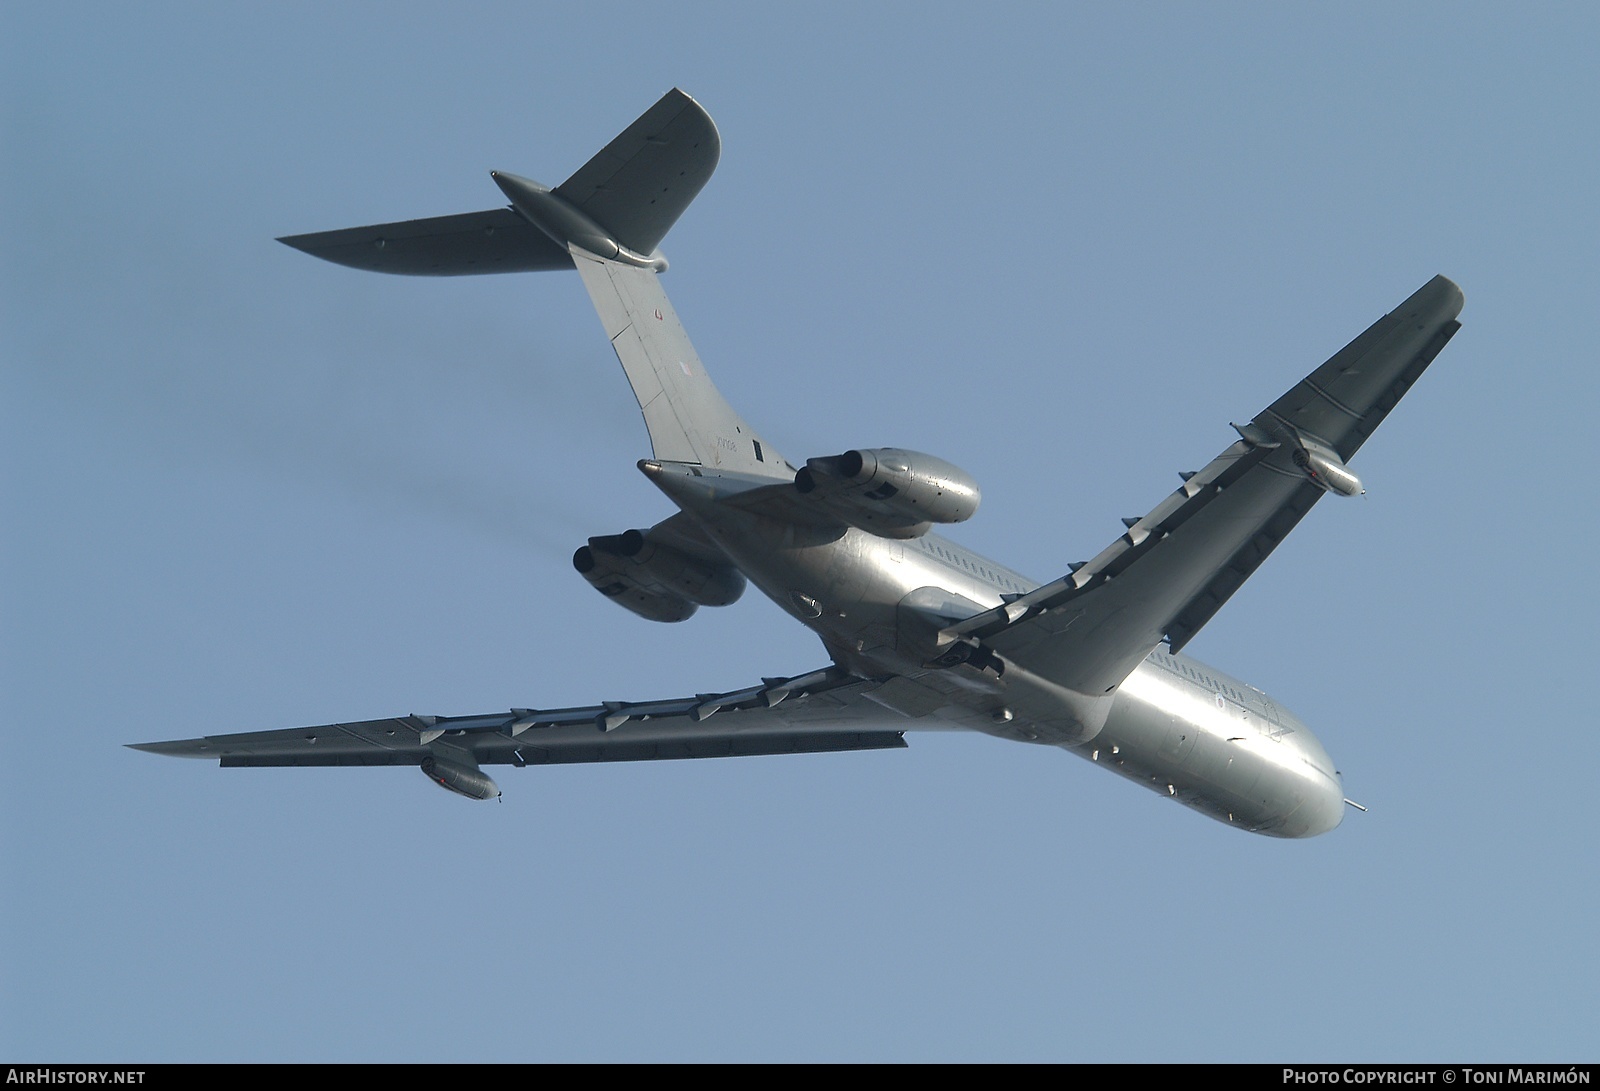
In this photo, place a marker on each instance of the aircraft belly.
(1179, 736)
(845, 584)
(1237, 758)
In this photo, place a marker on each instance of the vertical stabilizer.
(607, 218)
(687, 417)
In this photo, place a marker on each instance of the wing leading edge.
(1174, 568)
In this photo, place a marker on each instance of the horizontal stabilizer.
(495, 241)
(635, 189)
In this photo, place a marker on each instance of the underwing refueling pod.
(920, 632)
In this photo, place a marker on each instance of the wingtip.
(1451, 290)
(1461, 297)
(176, 748)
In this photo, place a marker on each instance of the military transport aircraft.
(921, 633)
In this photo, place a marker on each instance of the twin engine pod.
(653, 580)
(890, 492)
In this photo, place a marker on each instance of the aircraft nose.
(1322, 810)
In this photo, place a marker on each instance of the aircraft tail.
(631, 193)
(607, 220)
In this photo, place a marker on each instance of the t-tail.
(607, 221)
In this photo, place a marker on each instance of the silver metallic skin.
(1175, 725)
(921, 633)
(890, 492)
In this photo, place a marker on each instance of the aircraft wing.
(1175, 567)
(824, 711)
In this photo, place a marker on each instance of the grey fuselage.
(1180, 728)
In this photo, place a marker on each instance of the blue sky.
(1059, 246)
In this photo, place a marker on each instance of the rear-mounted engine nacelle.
(701, 582)
(608, 573)
(891, 492)
(653, 580)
